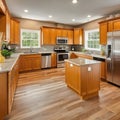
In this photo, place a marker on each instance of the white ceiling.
(63, 11)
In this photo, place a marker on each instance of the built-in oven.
(60, 59)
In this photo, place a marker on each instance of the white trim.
(28, 30)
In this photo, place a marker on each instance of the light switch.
(89, 69)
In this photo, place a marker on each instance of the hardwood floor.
(43, 95)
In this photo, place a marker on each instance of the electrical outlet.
(89, 69)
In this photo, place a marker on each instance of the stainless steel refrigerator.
(113, 57)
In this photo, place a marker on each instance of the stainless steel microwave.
(61, 40)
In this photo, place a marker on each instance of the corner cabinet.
(14, 31)
(78, 36)
(30, 62)
(103, 33)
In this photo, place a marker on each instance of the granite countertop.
(82, 61)
(9, 63)
(93, 55)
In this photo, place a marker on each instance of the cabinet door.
(110, 26)
(64, 33)
(17, 32)
(7, 26)
(116, 24)
(3, 95)
(72, 74)
(70, 36)
(46, 36)
(103, 33)
(59, 32)
(53, 60)
(25, 63)
(72, 55)
(52, 36)
(14, 32)
(103, 70)
(36, 62)
(78, 36)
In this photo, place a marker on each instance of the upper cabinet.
(50, 34)
(103, 33)
(116, 24)
(2, 7)
(78, 36)
(14, 32)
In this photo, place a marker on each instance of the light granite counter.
(93, 55)
(9, 63)
(82, 61)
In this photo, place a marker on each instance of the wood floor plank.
(43, 95)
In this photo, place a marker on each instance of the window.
(30, 38)
(92, 40)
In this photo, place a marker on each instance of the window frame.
(29, 30)
(86, 40)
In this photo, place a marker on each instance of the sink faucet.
(31, 49)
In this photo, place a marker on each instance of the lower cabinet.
(12, 83)
(103, 70)
(30, 62)
(53, 60)
(85, 82)
(3, 95)
(8, 83)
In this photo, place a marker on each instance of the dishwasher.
(46, 60)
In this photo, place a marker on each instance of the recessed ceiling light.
(26, 11)
(73, 20)
(74, 1)
(50, 16)
(89, 16)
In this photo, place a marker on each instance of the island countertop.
(82, 61)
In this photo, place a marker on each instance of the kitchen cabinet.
(70, 36)
(2, 7)
(3, 95)
(5, 26)
(103, 33)
(110, 26)
(48, 36)
(12, 83)
(53, 60)
(82, 80)
(30, 62)
(64, 33)
(103, 70)
(116, 24)
(14, 31)
(78, 36)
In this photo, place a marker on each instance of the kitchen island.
(83, 76)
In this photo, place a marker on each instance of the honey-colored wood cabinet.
(70, 36)
(14, 31)
(5, 26)
(48, 36)
(116, 24)
(110, 26)
(53, 60)
(78, 36)
(12, 83)
(2, 7)
(103, 33)
(103, 70)
(3, 95)
(30, 62)
(85, 82)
